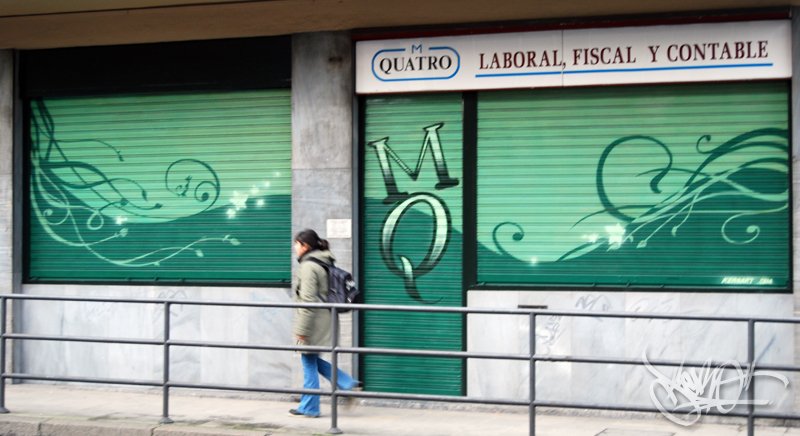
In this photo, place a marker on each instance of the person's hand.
(301, 340)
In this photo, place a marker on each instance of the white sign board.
(654, 54)
(339, 228)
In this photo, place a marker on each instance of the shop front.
(585, 168)
(156, 171)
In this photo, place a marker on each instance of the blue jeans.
(313, 364)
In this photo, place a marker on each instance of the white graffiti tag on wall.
(684, 396)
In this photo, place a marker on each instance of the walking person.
(313, 326)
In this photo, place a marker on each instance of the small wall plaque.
(339, 229)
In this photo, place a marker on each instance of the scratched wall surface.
(261, 326)
(632, 339)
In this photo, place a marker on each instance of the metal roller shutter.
(188, 187)
(412, 239)
(681, 186)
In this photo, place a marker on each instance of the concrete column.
(6, 181)
(795, 156)
(322, 135)
(322, 145)
(6, 166)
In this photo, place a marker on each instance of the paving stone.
(624, 432)
(11, 425)
(82, 427)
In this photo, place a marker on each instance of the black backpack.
(341, 286)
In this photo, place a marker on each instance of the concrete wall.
(140, 321)
(619, 338)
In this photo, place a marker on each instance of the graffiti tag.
(690, 392)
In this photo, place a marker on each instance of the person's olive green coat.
(310, 285)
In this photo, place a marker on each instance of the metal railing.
(335, 349)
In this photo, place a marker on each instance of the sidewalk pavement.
(39, 410)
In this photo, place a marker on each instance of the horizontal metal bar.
(399, 352)
(590, 406)
(263, 304)
(181, 385)
(776, 416)
(432, 353)
(391, 351)
(426, 309)
(583, 314)
(356, 394)
(396, 351)
(18, 376)
(677, 363)
(31, 297)
(93, 339)
(557, 358)
(385, 395)
(242, 346)
(792, 368)
(177, 343)
(625, 408)
(432, 398)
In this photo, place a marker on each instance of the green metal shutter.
(174, 187)
(412, 240)
(683, 185)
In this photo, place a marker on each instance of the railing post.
(3, 355)
(334, 372)
(165, 419)
(532, 376)
(751, 391)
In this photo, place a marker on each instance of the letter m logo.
(386, 156)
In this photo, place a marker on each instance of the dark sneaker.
(350, 402)
(295, 412)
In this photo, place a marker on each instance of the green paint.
(671, 185)
(412, 250)
(161, 187)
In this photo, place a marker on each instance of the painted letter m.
(386, 155)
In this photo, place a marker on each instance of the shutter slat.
(541, 217)
(403, 120)
(189, 186)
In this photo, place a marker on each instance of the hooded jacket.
(310, 285)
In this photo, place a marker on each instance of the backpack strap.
(320, 263)
(324, 266)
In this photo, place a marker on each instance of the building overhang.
(54, 23)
